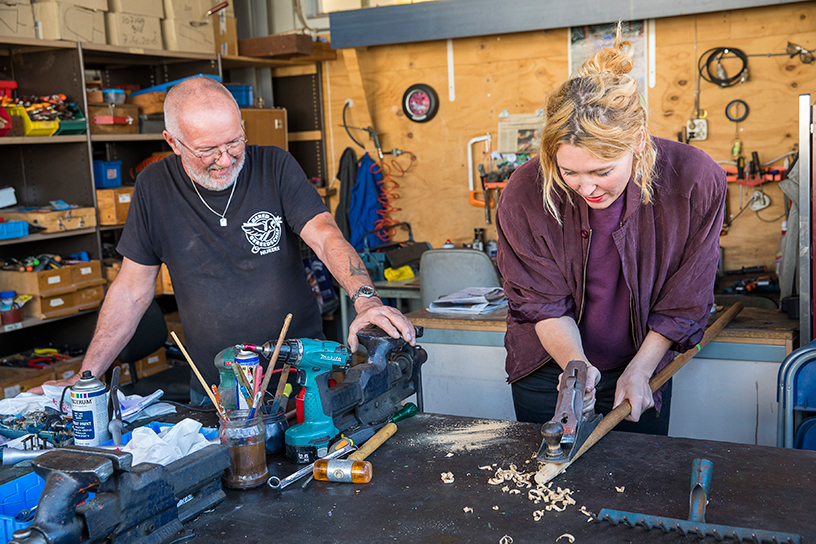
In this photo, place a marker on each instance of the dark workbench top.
(406, 501)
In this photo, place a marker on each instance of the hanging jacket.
(347, 174)
(364, 205)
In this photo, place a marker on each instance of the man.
(227, 219)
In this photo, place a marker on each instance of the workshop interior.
(411, 120)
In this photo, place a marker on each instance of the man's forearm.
(118, 319)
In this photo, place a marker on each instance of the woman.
(608, 244)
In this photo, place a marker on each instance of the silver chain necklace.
(223, 221)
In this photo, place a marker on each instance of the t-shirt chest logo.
(263, 230)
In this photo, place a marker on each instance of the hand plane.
(569, 428)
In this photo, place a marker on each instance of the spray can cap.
(87, 374)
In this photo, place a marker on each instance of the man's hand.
(371, 311)
(57, 383)
(633, 385)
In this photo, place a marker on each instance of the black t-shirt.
(233, 284)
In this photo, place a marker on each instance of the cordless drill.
(370, 393)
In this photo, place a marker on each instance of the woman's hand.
(633, 385)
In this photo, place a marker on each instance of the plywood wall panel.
(515, 72)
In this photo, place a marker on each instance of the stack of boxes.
(175, 25)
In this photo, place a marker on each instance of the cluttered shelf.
(35, 321)
(48, 236)
(16, 140)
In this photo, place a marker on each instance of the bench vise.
(144, 504)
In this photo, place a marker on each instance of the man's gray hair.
(187, 92)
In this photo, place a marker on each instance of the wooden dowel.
(198, 375)
(274, 358)
(619, 413)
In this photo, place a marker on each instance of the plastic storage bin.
(16, 495)
(13, 229)
(243, 94)
(33, 128)
(107, 174)
(113, 96)
(6, 87)
(73, 126)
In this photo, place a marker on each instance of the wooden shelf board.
(26, 140)
(33, 44)
(95, 54)
(35, 321)
(111, 227)
(126, 137)
(39, 237)
(322, 51)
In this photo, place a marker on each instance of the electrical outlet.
(697, 129)
(759, 201)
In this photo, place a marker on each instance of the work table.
(406, 501)
(465, 373)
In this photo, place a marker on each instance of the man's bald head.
(194, 96)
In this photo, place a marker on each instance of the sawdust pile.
(466, 436)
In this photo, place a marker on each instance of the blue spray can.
(247, 361)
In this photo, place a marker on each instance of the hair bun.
(616, 59)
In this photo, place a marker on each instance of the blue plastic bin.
(107, 174)
(164, 87)
(243, 94)
(24, 492)
(13, 229)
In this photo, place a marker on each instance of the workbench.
(726, 392)
(406, 501)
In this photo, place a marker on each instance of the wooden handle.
(274, 358)
(619, 413)
(198, 374)
(374, 442)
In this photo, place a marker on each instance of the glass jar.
(247, 451)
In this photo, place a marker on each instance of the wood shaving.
(586, 512)
(537, 515)
(568, 536)
(447, 477)
(495, 508)
(486, 467)
(505, 489)
(620, 489)
(506, 539)
(450, 454)
(557, 499)
(467, 509)
(514, 491)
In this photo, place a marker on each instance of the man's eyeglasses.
(210, 156)
(804, 55)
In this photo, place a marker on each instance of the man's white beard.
(202, 177)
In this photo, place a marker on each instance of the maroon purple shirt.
(668, 250)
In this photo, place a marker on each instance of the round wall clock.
(420, 103)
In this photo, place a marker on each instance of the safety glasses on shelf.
(804, 55)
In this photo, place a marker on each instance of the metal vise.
(372, 391)
(144, 504)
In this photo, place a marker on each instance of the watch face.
(420, 103)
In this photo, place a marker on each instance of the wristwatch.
(365, 291)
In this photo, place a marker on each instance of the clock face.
(420, 103)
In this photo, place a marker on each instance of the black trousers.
(535, 397)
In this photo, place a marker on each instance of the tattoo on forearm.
(356, 270)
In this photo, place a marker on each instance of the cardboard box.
(86, 274)
(54, 220)
(14, 381)
(281, 45)
(113, 205)
(163, 284)
(113, 118)
(53, 306)
(89, 297)
(225, 34)
(67, 21)
(173, 321)
(152, 364)
(181, 35)
(148, 8)
(17, 20)
(133, 30)
(148, 103)
(112, 270)
(186, 10)
(266, 126)
(67, 369)
(55, 281)
(124, 373)
(95, 5)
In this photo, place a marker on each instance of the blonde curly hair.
(599, 109)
